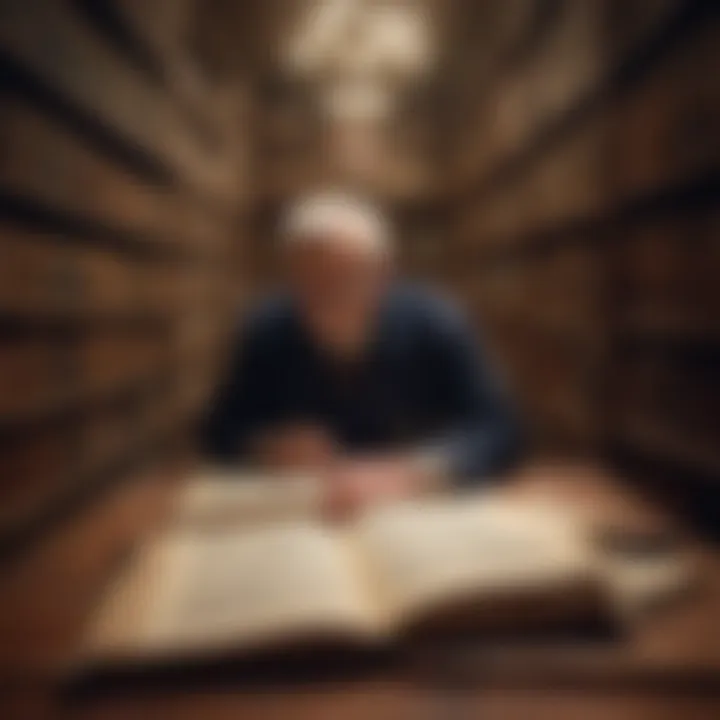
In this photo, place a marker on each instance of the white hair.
(335, 217)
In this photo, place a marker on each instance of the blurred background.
(552, 163)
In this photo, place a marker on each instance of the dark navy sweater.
(425, 383)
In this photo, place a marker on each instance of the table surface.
(669, 667)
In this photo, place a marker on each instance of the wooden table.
(669, 668)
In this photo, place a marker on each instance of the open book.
(475, 562)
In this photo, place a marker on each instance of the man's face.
(338, 286)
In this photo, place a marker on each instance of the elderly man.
(377, 386)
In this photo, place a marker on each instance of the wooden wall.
(120, 215)
(584, 205)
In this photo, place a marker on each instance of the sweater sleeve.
(482, 436)
(245, 400)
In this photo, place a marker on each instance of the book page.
(425, 554)
(213, 497)
(194, 593)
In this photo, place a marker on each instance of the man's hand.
(297, 447)
(354, 485)
(350, 485)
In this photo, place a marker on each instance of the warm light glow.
(365, 50)
(317, 36)
(398, 37)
